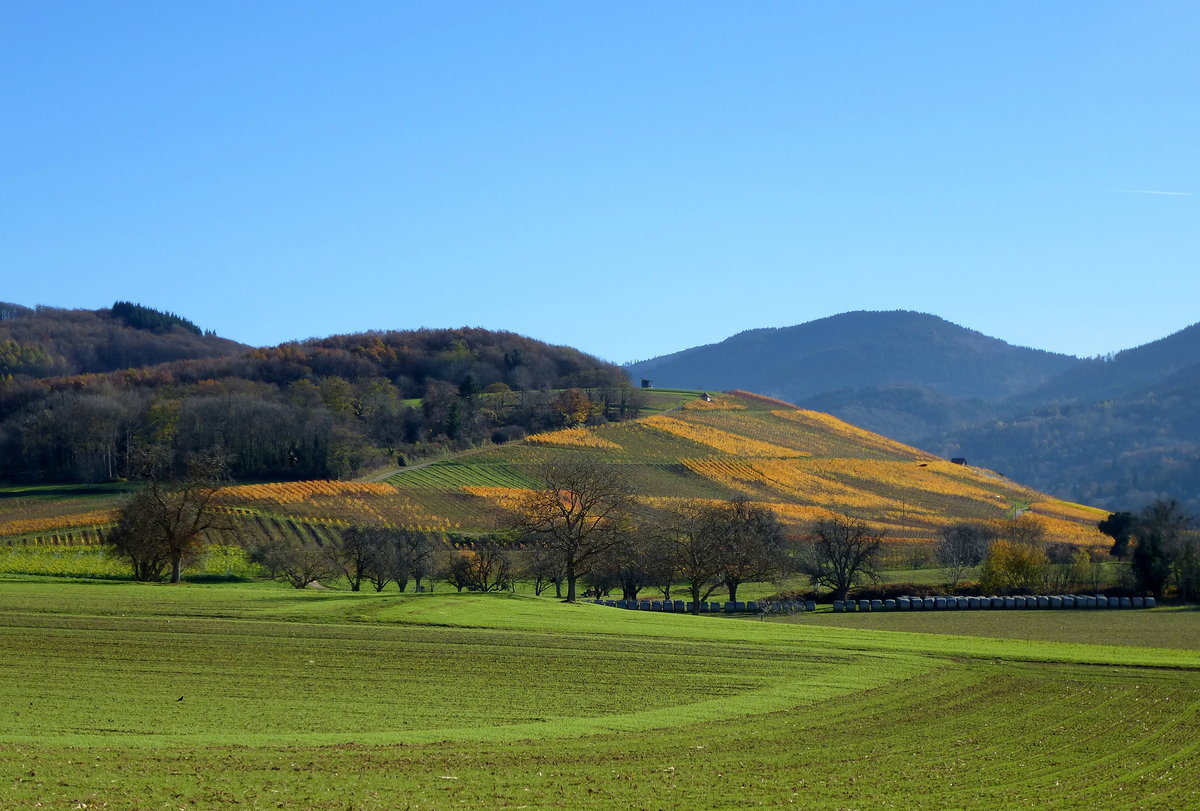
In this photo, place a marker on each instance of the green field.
(657, 401)
(1176, 627)
(197, 696)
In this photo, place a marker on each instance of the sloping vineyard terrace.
(454, 475)
(30, 526)
(830, 429)
(720, 440)
(339, 502)
(787, 480)
(573, 438)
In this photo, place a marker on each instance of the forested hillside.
(313, 409)
(1127, 372)
(47, 341)
(1119, 432)
(1120, 453)
(859, 350)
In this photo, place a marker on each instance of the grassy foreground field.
(1174, 627)
(197, 696)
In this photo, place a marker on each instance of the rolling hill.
(1124, 452)
(859, 350)
(49, 341)
(802, 464)
(1119, 431)
(320, 408)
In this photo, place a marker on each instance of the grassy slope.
(313, 699)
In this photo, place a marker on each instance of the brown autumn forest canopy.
(319, 408)
(48, 341)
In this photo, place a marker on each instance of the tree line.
(1016, 558)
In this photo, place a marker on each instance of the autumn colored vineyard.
(818, 423)
(802, 464)
(311, 509)
(56, 524)
(719, 403)
(780, 480)
(574, 438)
(338, 503)
(293, 492)
(726, 442)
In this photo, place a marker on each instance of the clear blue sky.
(631, 178)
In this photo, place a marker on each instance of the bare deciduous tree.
(491, 568)
(295, 562)
(544, 568)
(382, 563)
(457, 569)
(638, 560)
(962, 546)
(752, 543)
(412, 555)
(696, 550)
(169, 520)
(487, 567)
(838, 553)
(353, 552)
(579, 515)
